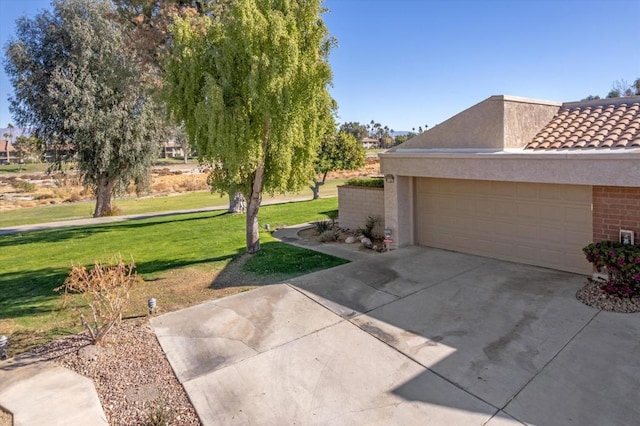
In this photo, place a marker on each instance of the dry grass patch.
(181, 288)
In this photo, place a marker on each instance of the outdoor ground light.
(3, 347)
(151, 303)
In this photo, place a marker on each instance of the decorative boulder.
(366, 242)
(350, 240)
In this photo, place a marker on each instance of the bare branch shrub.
(105, 289)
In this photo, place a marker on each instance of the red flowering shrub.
(621, 262)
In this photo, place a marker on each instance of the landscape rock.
(366, 242)
(93, 352)
(89, 353)
(350, 240)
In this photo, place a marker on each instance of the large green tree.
(80, 88)
(148, 23)
(251, 87)
(359, 131)
(337, 152)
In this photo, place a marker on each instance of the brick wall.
(357, 203)
(615, 208)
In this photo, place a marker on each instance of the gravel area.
(592, 295)
(6, 419)
(131, 374)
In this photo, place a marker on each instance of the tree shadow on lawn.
(275, 262)
(75, 233)
(29, 293)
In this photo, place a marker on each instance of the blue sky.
(407, 63)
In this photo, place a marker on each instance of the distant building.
(369, 143)
(171, 149)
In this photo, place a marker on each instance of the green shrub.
(368, 182)
(322, 226)
(621, 262)
(333, 216)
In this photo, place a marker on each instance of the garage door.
(538, 224)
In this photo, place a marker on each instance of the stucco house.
(519, 179)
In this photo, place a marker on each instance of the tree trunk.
(316, 186)
(186, 156)
(237, 203)
(253, 234)
(103, 196)
(253, 204)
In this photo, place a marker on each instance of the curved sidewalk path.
(351, 252)
(111, 219)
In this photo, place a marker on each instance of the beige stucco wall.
(399, 210)
(612, 169)
(357, 203)
(495, 123)
(524, 119)
(478, 126)
(579, 168)
(485, 142)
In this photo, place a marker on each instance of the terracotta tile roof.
(603, 123)
(4, 145)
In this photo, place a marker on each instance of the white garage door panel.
(539, 224)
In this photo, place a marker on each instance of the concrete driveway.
(416, 336)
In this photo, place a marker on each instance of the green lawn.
(24, 168)
(34, 263)
(190, 200)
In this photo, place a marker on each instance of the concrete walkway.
(350, 252)
(416, 336)
(39, 392)
(111, 219)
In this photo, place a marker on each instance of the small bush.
(74, 197)
(105, 289)
(160, 187)
(322, 226)
(368, 182)
(115, 211)
(160, 414)
(329, 236)
(333, 216)
(367, 231)
(44, 196)
(621, 262)
(24, 186)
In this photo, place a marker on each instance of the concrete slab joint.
(416, 336)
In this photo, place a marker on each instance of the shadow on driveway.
(415, 336)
